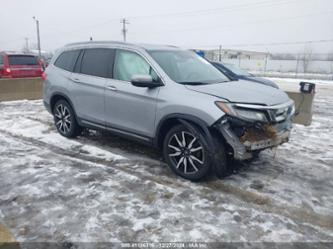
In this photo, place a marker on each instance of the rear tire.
(65, 120)
(186, 153)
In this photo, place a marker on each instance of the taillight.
(44, 76)
(7, 73)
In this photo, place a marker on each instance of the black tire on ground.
(222, 168)
(65, 120)
(186, 153)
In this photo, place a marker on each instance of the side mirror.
(144, 81)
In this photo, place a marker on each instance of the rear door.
(129, 108)
(88, 84)
(24, 66)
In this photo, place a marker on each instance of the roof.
(125, 44)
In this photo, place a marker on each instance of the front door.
(129, 108)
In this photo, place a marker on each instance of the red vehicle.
(15, 65)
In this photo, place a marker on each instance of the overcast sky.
(186, 23)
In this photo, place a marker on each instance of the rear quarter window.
(22, 60)
(67, 60)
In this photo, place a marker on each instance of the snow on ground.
(290, 84)
(293, 75)
(102, 188)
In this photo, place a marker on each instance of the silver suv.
(165, 97)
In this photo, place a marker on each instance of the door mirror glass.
(143, 80)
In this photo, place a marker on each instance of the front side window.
(22, 60)
(67, 60)
(128, 64)
(187, 67)
(97, 62)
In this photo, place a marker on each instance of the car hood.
(243, 91)
(263, 81)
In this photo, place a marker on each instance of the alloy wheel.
(62, 118)
(186, 152)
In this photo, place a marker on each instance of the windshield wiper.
(193, 83)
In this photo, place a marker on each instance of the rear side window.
(67, 60)
(22, 60)
(1, 60)
(97, 62)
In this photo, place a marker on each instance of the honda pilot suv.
(168, 98)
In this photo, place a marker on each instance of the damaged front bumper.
(254, 137)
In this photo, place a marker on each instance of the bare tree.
(306, 57)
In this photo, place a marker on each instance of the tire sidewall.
(202, 173)
(74, 126)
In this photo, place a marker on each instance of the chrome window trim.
(261, 107)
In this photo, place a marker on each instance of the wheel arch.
(190, 121)
(57, 96)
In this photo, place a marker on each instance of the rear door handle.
(112, 88)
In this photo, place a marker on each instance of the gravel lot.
(101, 188)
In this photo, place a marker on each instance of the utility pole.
(38, 37)
(220, 53)
(266, 59)
(124, 30)
(26, 45)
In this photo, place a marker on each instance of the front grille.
(280, 115)
(276, 114)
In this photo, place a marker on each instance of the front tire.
(65, 120)
(186, 153)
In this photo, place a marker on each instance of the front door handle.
(112, 88)
(77, 80)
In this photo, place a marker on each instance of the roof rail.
(96, 42)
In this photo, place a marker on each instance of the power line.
(264, 21)
(225, 9)
(220, 10)
(229, 8)
(268, 44)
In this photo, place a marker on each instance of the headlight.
(292, 110)
(252, 115)
(246, 114)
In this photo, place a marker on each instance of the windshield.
(236, 70)
(186, 67)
